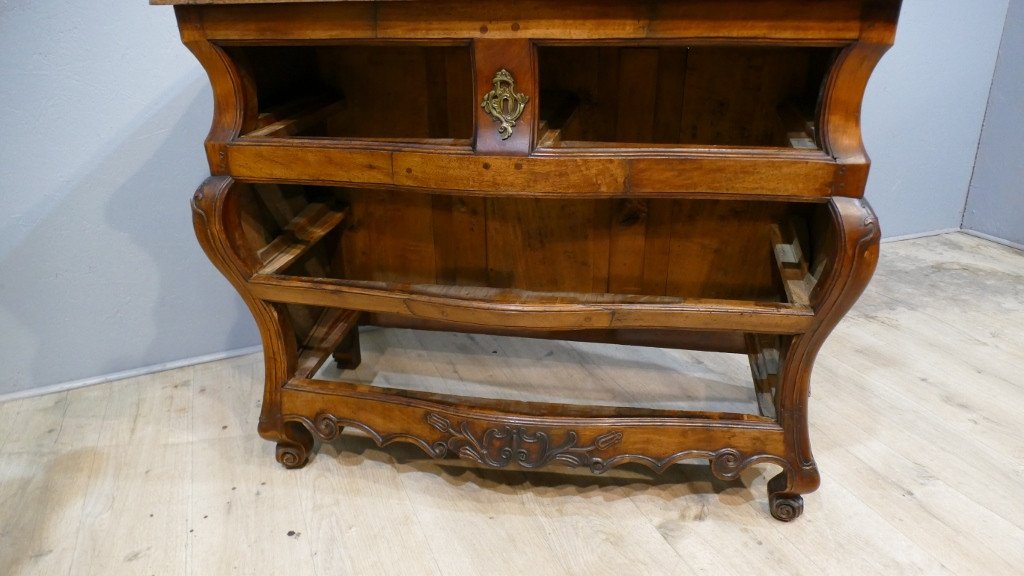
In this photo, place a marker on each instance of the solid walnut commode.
(683, 174)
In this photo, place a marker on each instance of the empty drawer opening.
(405, 93)
(540, 252)
(701, 95)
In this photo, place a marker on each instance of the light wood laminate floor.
(916, 425)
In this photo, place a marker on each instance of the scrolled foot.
(295, 449)
(292, 455)
(786, 507)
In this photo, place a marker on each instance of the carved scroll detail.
(291, 456)
(499, 447)
(327, 427)
(726, 463)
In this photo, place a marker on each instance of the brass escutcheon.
(503, 103)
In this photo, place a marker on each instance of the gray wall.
(996, 202)
(923, 112)
(105, 112)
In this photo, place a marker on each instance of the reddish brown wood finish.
(671, 182)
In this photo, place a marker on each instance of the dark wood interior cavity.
(397, 91)
(763, 96)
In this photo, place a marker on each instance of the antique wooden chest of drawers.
(676, 173)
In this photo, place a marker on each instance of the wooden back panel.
(690, 248)
(713, 95)
(396, 91)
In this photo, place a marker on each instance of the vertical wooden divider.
(518, 57)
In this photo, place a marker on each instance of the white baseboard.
(919, 235)
(995, 239)
(65, 386)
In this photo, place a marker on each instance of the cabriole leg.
(846, 249)
(215, 216)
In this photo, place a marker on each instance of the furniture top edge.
(228, 2)
(867, 21)
(223, 2)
